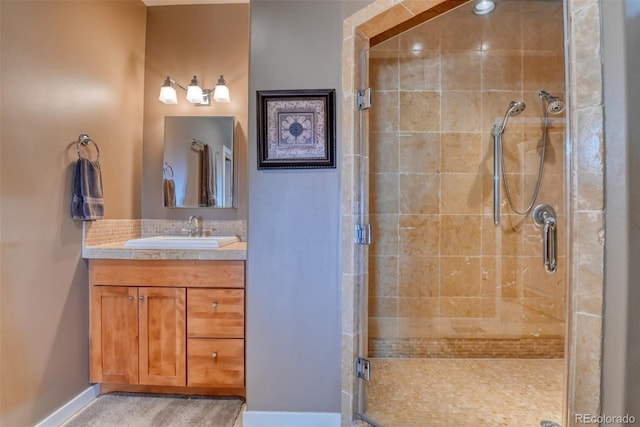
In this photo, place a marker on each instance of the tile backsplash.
(120, 230)
(108, 231)
(156, 227)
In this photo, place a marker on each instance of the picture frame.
(296, 129)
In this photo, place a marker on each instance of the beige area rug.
(134, 410)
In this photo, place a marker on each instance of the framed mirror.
(198, 164)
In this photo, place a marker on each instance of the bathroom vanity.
(167, 321)
(175, 323)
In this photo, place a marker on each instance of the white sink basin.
(181, 242)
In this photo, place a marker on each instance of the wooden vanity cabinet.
(167, 326)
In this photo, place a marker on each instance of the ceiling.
(183, 2)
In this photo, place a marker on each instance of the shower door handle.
(544, 216)
(549, 242)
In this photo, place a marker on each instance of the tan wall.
(67, 67)
(440, 267)
(205, 40)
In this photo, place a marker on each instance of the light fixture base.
(206, 100)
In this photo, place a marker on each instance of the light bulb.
(168, 93)
(194, 92)
(221, 92)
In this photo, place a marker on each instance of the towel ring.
(166, 168)
(196, 142)
(84, 140)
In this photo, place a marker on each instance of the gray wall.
(621, 371)
(293, 280)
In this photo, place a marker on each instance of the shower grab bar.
(544, 216)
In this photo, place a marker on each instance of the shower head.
(515, 108)
(554, 104)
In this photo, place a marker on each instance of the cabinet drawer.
(215, 362)
(215, 313)
(174, 273)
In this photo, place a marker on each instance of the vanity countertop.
(233, 251)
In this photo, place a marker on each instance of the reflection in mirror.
(198, 163)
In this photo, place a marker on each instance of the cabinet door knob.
(214, 304)
(214, 354)
(141, 298)
(130, 297)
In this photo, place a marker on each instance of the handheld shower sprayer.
(515, 108)
(554, 104)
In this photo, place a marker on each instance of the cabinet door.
(162, 336)
(114, 335)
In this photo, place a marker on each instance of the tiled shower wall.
(444, 280)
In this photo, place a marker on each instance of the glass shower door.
(449, 296)
(364, 236)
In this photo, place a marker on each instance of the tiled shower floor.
(465, 392)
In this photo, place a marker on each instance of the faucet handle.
(196, 230)
(207, 231)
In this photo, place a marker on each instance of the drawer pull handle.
(214, 304)
(214, 354)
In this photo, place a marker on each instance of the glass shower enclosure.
(461, 299)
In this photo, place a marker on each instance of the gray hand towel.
(207, 196)
(87, 203)
(212, 179)
(169, 193)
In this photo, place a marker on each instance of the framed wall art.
(296, 129)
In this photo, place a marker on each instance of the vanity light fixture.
(195, 94)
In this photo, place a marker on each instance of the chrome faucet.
(196, 229)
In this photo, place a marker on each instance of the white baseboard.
(290, 419)
(71, 407)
